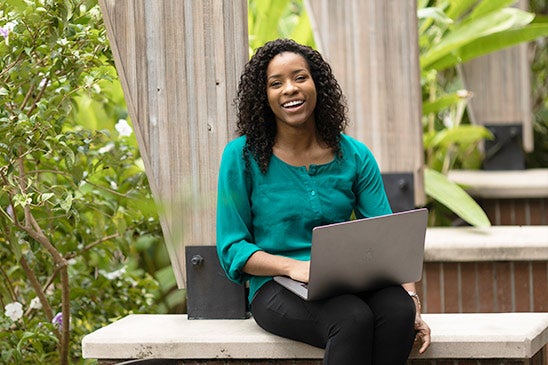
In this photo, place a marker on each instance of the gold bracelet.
(414, 295)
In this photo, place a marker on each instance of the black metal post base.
(210, 294)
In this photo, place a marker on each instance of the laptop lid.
(365, 254)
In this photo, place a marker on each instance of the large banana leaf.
(499, 22)
(440, 188)
(491, 43)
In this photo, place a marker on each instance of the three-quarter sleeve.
(234, 219)
(371, 196)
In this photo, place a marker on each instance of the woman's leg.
(394, 313)
(343, 325)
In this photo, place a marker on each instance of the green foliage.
(452, 32)
(74, 198)
(273, 19)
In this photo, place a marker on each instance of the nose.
(289, 88)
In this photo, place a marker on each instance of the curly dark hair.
(255, 117)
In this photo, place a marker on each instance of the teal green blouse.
(276, 211)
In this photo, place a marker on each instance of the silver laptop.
(363, 254)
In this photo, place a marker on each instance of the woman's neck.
(301, 148)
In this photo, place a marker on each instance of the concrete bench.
(516, 336)
(531, 183)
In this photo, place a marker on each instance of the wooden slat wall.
(373, 49)
(179, 64)
(484, 287)
(501, 86)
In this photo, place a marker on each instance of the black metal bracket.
(210, 294)
(505, 152)
(400, 189)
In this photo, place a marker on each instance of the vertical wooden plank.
(523, 290)
(433, 295)
(503, 284)
(539, 211)
(540, 286)
(179, 63)
(373, 49)
(500, 83)
(451, 284)
(485, 279)
(506, 211)
(469, 287)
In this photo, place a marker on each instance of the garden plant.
(80, 239)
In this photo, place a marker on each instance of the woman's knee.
(352, 317)
(395, 305)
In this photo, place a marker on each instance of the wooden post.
(179, 64)
(373, 49)
(500, 83)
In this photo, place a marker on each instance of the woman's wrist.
(416, 299)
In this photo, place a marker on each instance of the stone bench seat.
(173, 336)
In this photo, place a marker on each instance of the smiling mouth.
(293, 104)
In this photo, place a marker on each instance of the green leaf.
(463, 134)
(495, 42)
(15, 247)
(468, 31)
(66, 203)
(492, 43)
(459, 7)
(440, 188)
(440, 104)
(434, 13)
(488, 6)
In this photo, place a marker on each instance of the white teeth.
(293, 103)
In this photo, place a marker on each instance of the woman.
(290, 170)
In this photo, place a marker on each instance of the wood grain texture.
(501, 87)
(372, 47)
(179, 64)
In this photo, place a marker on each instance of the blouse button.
(313, 193)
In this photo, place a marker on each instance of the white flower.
(114, 274)
(9, 210)
(464, 94)
(35, 303)
(106, 148)
(123, 128)
(14, 311)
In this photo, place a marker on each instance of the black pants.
(370, 328)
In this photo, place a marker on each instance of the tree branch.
(8, 284)
(39, 293)
(32, 228)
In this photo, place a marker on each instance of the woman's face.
(291, 90)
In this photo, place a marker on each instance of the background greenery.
(79, 233)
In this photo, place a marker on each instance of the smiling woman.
(293, 169)
(291, 92)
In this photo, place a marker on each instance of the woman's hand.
(300, 271)
(423, 332)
